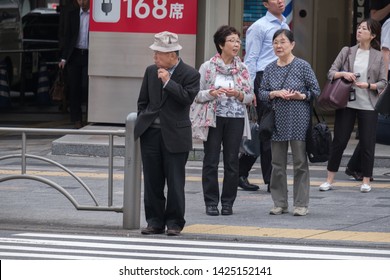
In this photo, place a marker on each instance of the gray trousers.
(278, 184)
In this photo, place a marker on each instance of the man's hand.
(163, 74)
(61, 64)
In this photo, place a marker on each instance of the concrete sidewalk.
(342, 216)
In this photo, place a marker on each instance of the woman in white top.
(366, 69)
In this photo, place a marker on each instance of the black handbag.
(267, 122)
(382, 106)
(252, 147)
(318, 140)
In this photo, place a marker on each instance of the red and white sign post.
(121, 32)
(143, 16)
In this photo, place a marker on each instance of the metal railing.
(132, 169)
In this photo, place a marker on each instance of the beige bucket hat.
(166, 42)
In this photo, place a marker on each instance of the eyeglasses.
(280, 42)
(233, 41)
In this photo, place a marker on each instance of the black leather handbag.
(252, 146)
(267, 122)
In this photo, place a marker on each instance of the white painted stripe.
(48, 256)
(212, 244)
(108, 253)
(190, 249)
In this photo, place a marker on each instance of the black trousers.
(355, 160)
(160, 166)
(246, 161)
(344, 123)
(228, 132)
(77, 71)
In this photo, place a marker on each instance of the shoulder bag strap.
(347, 60)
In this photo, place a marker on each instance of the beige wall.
(117, 62)
(211, 15)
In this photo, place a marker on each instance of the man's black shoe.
(356, 175)
(152, 230)
(212, 210)
(226, 210)
(268, 189)
(245, 185)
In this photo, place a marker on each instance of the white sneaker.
(325, 187)
(278, 210)
(300, 211)
(365, 188)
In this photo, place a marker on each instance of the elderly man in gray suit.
(164, 127)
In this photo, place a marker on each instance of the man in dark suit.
(75, 57)
(164, 127)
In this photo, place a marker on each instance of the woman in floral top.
(225, 82)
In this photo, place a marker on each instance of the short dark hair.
(375, 29)
(221, 34)
(288, 33)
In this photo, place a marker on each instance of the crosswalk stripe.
(106, 253)
(53, 246)
(207, 243)
(46, 256)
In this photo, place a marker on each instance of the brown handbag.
(57, 91)
(335, 94)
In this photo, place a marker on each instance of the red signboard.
(144, 16)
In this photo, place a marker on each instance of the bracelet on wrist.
(368, 86)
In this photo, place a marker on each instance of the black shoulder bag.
(318, 139)
(267, 122)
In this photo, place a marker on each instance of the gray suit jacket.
(376, 72)
(171, 104)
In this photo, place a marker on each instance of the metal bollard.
(132, 177)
